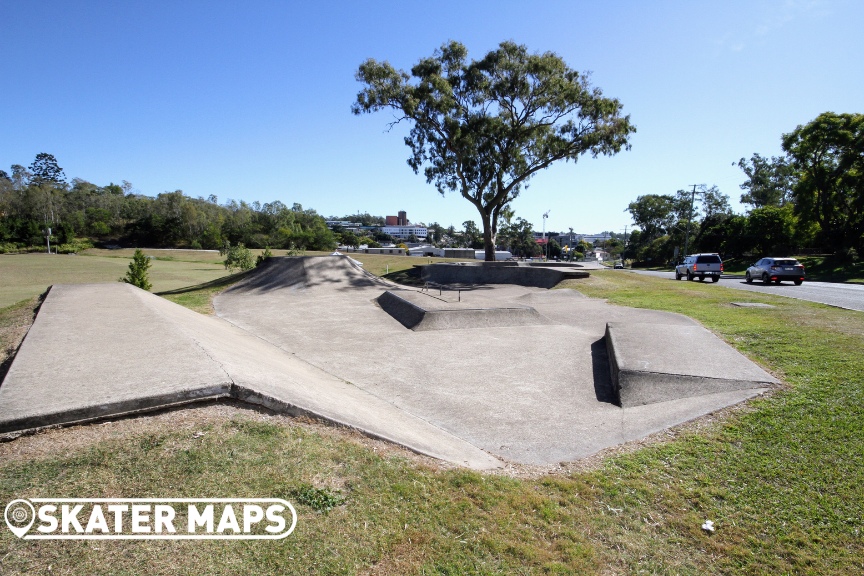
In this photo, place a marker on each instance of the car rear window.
(786, 262)
(708, 259)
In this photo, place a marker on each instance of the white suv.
(700, 266)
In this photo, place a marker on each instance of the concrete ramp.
(308, 273)
(653, 363)
(101, 350)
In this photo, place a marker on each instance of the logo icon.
(19, 515)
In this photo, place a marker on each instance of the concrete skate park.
(467, 368)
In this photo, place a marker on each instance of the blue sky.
(251, 100)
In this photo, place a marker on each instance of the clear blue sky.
(251, 100)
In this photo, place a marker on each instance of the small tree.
(137, 274)
(239, 257)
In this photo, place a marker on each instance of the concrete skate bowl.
(305, 273)
(520, 273)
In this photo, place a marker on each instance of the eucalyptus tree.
(483, 128)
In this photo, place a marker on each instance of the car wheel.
(677, 275)
(765, 279)
(798, 282)
(689, 277)
(748, 278)
(715, 279)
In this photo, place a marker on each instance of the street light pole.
(545, 243)
(690, 218)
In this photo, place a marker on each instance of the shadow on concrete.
(293, 273)
(217, 283)
(602, 376)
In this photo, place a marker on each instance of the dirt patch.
(15, 321)
(192, 419)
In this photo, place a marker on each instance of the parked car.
(618, 266)
(700, 266)
(776, 270)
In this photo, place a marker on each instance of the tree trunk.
(488, 237)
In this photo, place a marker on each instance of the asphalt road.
(850, 296)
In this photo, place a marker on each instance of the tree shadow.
(217, 283)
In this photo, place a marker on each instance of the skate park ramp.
(311, 336)
(100, 350)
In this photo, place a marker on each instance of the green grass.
(780, 478)
(27, 275)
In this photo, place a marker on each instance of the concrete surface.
(534, 394)
(308, 336)
(100, 350)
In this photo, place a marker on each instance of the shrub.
(239, 257)
(263, 256)
(75, 246)
(137, 274)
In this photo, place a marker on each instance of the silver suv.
(700, 266)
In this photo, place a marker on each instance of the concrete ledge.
(408, 314)
(444, 315)
(500, 273)
(652, 363)
(120, 409)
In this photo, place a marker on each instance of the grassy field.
(780, 477)
(23, 276)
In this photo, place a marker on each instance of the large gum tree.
(484, 128)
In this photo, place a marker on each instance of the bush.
(239, 257)
(137, 274)
(75, 246)
(263, 256)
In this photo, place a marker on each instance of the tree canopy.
(39, 197)
(483, 128)
(828, 154)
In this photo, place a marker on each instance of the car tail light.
(721, 267)
(694, 267)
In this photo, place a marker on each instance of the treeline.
(79, 212)
(809, 200)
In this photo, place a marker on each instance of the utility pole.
(690, 217)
